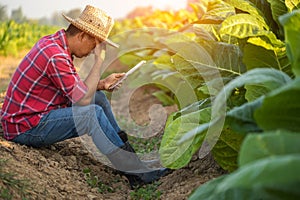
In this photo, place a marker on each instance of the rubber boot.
(133, 168)
(124, 137)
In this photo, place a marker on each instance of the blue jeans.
(96, 120)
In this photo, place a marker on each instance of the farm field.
(217, 101)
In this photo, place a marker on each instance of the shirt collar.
(64, 42)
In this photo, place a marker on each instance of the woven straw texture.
(94, 22)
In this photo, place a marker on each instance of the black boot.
(133, 168)
(124, 137)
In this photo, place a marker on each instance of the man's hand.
(99, 51)
(110, 80)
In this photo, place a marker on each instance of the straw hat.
(94, 22)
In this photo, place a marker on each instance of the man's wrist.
(101, 85)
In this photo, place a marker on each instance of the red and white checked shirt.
(46, 79)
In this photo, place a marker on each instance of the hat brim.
(84, 28)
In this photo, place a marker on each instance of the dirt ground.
(63, 170)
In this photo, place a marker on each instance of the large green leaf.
(266, 172)
(184, 46)
(218, 10)
(228, 58)
(255, 57)
(255, 90)
(191, 73)
(226, 150)
(241, 119)
(269, 41)
(176, 156)
(266, 51)
(206, 32)
(130, 59)
(199, 68)
(281, 108)
(243, 26)
(164, 61)
(267, 13)
(225, 60)
(204, 103)
(215, 127)
(259, 146)
(247, 7)
(180, 89)
(271, 77)
(292, 5)
(255, 76)
(291, 23)
(278, 8)
(199, 7)
(273, 178)
(207, 190)
(191, 60)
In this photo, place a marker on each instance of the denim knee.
(106, 127)
(101, 99)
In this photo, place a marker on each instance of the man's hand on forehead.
(100, 48)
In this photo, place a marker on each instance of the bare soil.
(63, 170)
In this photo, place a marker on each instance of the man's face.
(85, 45)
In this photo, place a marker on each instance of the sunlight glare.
(166, 4)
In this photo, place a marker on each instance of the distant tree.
(74, 13)
(18, 15)
(44, 21)
(3, 13)
(58, 20)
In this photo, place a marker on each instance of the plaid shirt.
(46, 79)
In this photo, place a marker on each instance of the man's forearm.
(91, 82)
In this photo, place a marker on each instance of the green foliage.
(250, 32)
(160, 19)
(268, 161)
(292, 5)
(280, 109)
(242, 26)
(291, 23)
(144, 145)
(273, 143)
(16, 37)
(239, 119)
(226, 149)
(13, 187)
(95, 182)
(240, 44)
(251, 47)
(273, 178)
(164, 98)
(228, 38)
(269, 169)
(147, 192)
(172, 155)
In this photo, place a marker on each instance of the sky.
(116, 8)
